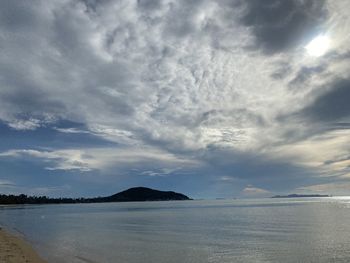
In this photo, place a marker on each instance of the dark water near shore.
(265, 230)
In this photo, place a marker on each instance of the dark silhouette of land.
(298, 195)
(136, 194)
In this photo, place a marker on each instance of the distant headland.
(299, 196)
(136, 194)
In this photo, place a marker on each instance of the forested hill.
(133, 194)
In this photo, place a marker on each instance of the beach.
(16, 250)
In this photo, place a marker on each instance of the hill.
(133, 194)
(144, 194)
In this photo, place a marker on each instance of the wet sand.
(16, 250)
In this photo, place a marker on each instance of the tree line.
(24, 199)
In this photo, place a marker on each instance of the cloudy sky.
(226, 98)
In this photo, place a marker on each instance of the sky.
(214, 99)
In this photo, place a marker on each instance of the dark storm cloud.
(279, 25)
(331, 106)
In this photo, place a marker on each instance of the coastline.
(16, 250)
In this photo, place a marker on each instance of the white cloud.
(61, 160)
(6, 183)
(71, 130)
(252, 191)
(86, 160)
(227, 179)
(161, 172)
(31, 124)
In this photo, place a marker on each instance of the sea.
(218, 231)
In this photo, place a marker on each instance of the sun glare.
(318, 46)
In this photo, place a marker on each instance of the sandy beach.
(16, 250)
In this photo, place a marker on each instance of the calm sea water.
(266, 230)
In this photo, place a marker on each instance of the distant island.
(299, 195)
(136, 194)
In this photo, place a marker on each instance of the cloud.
(89, 159)
(305, 73)
(160, 172)
(337, 188)
(331, 105)
(338, 160)
(31, 124)
(61, 160)
(161, 85)
(146, 80)
(280, 25)
(6, 183)
(325, 153)
(71, 130)
(227, 179)
(252, 191)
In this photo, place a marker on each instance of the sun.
(318, 46)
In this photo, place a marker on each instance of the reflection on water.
(266, 230)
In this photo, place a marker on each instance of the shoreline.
(14, 249)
